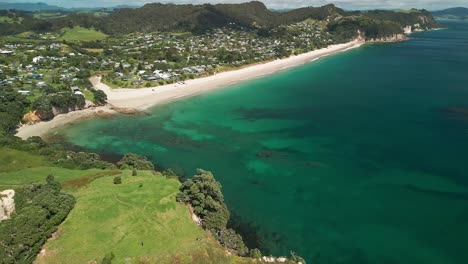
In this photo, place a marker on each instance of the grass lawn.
(88, 95)
(138, 220)
(82, 34)
(67, 177)
(8, 20)
(13, 160)
(48, 15)
(98, 51)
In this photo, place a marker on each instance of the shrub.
(255, 253)
(297, 258)
(63, 102)
(135, 161)
(203, 192)
(100, 97)
(117, 180)
(231, 240)
(108, 258)
(83, 161)
(134, 172)
(40, 209)
(169, 173)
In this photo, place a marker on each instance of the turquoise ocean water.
(357, 158)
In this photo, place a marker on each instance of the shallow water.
(357, 158)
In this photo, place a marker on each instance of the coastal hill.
(452, 13)
(158, 17)
(196, 18)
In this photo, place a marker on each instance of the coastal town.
(37, 64)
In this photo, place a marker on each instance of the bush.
(231, 240)
(203, 192)
(100, 97)
(108, 258)
(135, 161)
(117, 180)
(40, 209)
(169, 173)
(63, 102)
(255, 253)
(84, 161)
(134, 172)
(297, 258)
(12, 109)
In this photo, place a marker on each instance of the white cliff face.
(394, 38)
(407, 30)
(7, 204)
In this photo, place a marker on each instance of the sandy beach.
(44, 127)
(143, 98)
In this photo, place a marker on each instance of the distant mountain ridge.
(167, 17)
(32, 7)
(456, 12)
(39, 6)
(157, 17)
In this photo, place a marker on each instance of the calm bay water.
(358, 158)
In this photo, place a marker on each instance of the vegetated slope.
(422, 17)
(136, 220)
(81, 34)
(456, 12)
(198, 18)
(171, 17)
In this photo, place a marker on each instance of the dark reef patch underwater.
(358, 158)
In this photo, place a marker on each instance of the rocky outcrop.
(394, 38)
(31, 118)
(7, 204)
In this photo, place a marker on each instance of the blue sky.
(277, 4)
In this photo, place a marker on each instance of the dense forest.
(40, 209)
(452, 13)
(198, 18)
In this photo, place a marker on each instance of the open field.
(14, 160)
(49, 15)
(38, 174)
(82, 34)
(138, 220)
(9, 20)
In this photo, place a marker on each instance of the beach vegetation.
(48, 106)
(117, 180)
(255, 253)
(135, 161)
(204, 194)
(12, 108)
(99, 97)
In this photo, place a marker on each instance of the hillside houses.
(154, 58)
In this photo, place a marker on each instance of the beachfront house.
(76, 90)
(24, 92)
(6, 52)
(41, 84)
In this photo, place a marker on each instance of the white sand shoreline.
(144, 98)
